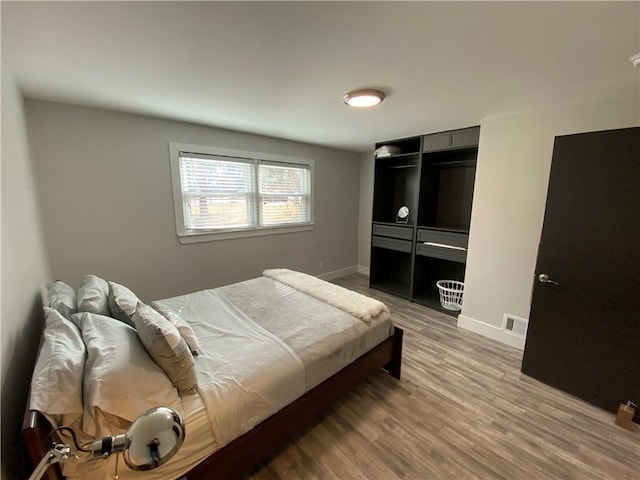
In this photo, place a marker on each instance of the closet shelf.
(400, 166)
(455, 163)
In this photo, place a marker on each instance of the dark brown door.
(584, 328)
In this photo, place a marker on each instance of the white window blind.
(223, 194)
(284, 193)
(216, 192)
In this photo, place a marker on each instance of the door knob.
(544, 278)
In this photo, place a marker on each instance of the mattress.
(322, 338)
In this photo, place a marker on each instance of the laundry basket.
(450, 294)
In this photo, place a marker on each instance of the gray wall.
(107, 203)
(24, 270)
(365, 211)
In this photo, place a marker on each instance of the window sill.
(187, 238)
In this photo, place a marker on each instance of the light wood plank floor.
(462, 410)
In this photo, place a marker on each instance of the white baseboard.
(486, 330)
(364, 270)
(338, 273)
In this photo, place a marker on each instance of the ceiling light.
(366, 97)
(635, 60)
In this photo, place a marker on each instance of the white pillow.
(181, 324)
(122, 303)
(93, 295)
(121, 381)
(56, 385)
(62, 297)
(167, 347)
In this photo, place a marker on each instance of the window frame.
(186, 236)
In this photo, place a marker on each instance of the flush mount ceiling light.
(365, 97)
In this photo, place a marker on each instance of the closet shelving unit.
(433, 175)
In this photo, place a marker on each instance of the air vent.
(515, 325)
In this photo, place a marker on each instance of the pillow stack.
(93, 296)
(122, 303)
(167, 347)
(105, 350)
(62, 298)
(59, 370)
(121, 381)
(183, 327)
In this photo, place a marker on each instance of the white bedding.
(263, 345)
(325, 338)
(354, 303)
(245, 374)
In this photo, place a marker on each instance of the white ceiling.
(280, 69)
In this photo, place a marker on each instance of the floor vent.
(515, 325)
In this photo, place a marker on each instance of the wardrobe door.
(584, 327)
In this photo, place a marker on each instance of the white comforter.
(253, 363)
(245, 374)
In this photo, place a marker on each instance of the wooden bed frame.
(239, 456)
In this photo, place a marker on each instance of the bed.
(273, 353)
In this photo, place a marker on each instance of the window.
(221, 193)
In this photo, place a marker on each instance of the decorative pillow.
(181, 324)
(62, 298)
(93, 295)
(122, 303)
(167, 347)
(56, 385)
(121, 381)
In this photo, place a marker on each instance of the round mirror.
(403, 212)
(153, 438)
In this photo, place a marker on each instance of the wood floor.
(463, 410)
